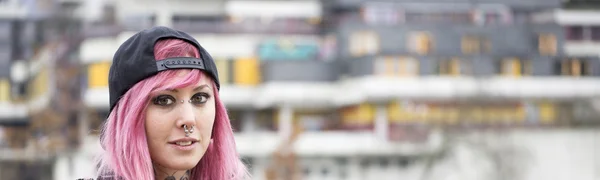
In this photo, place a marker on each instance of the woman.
(166, 118)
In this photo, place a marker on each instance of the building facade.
(371, 84)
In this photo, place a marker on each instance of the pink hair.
(123, 137)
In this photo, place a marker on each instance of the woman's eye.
(200, 98)
(164, 100)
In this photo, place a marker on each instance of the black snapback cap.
(134, 61)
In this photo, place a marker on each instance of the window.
(293, 25)
(267, 119)
(439, 17)
(582, 33)
(471, 44)
(514, 67)
(493, 15)
(575, 67)
(380, 14)
(547, 44)
(320, 120)
(139, 21)
(409, 66)
(396, 66)
(492, 18)
(236, 119)
(363, 43)
(449, 67)
(385, 66)
(97, 118)
(595, 33)
(420, 43)
(574, 33)
(328, 48)
(188, 20)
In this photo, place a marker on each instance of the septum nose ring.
(188, 131)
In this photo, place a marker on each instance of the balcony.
(513, 3)
(447, 40)
(581, 4)
(105, 29)
(102, 30)
(582, 48)
(249, 26)
(14, 9)
(329, 143)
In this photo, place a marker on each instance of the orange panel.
(247, 71)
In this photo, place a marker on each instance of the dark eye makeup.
(199, 98)
(163, 100)
(168, 100)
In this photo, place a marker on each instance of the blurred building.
(31, 47)
(581, 25)
(369, 83)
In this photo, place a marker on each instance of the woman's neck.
(173, 175)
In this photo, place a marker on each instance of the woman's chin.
(184, 165)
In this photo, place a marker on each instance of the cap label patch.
(180, 63)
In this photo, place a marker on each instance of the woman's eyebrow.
(195, 89)
(201, 87)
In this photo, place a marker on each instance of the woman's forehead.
(203, 80)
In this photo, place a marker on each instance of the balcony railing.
(277, 27)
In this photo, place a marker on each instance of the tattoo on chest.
(186, 176)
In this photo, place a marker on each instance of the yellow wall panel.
(576, 67)
(452, 116)
(247, 71)
(39, 85)
(360, 114)
(434, 115)
(547, 44)
(390, 66)
(366, 113)
(455, 67)
(98, 74)
(470, 44)
(511, 67)
(408, 67)
(547, 112)
(422, 42)
(394, 112)
(521, 114)
(4, 90)
(223, 69)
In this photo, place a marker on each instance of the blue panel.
(5, 60)
(288, 50)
